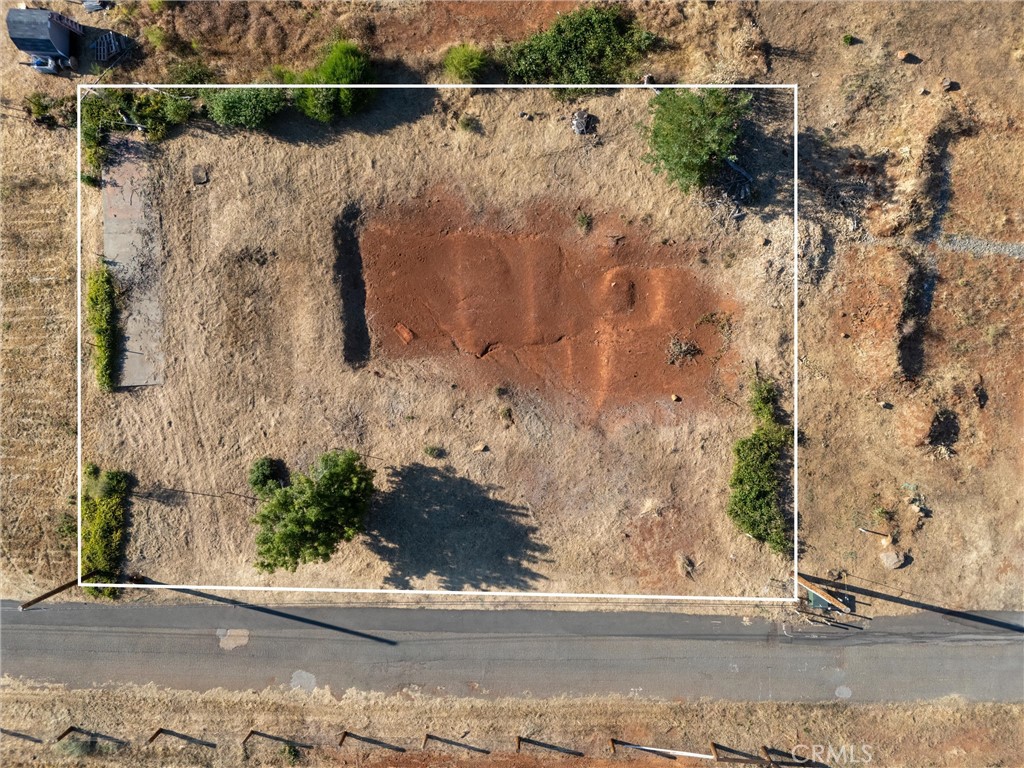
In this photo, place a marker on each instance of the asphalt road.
(516, 653)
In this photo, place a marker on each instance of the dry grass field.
(942, 734)
(284, 278)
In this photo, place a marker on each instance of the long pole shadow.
(183, 736)
(18, 735)
(279, 614)
(520, 740)
(369, 740)
(453, 743)
(967, 616)
(278, 739)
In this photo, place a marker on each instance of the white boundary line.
(83, 88)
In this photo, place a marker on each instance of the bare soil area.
(329, 291)
(943, 734)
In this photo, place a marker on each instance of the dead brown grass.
(949, 733)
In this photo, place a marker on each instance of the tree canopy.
(305, 521)
(693, 132)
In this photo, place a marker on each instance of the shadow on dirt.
(435, 523)
(912, 328)
(836, 181)
(348, 277)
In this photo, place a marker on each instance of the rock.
(892, 559)
(902, 55)
(815, 74)
(200, 174)
(924, 92)
(914, 509)
(676, 399)
(846, 335)
(404, 333)
(885, 405)
(481, 448)
(946, 85)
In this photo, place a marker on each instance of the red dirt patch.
(550, 308)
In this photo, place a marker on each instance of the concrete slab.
(132, 248)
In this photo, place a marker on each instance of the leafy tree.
(593, 44)
(304, 522)
(245, 107)
(261, 477)
(692, 132)
(464, 63)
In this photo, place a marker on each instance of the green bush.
(262, 478)
(245, 107)
(155, 36)
(464, 63)
(343, 64)
(191, 72)
(304, 522)
(105, 112)
(104, 520)
(584, 221)
(101, 318)
(434, 451)
(849, 39)
(754, 504)
(593, 44)
(51, 112)
(693, 132)
(471, 124)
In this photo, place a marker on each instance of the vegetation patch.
(692, 133)
(343, 64)
(113, 110)
(593, 44)
(303, 521)
(50, 111)
(755, 504)
(464, 63)
(245, 107)
(101, 318)
(104, 524)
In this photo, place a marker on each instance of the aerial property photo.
(511, 383)
(456, 305)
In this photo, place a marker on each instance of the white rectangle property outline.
(80, 89)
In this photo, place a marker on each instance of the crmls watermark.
(831, 754)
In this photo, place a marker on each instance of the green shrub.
(693, 132)
(190, 72)
(471, 124)
(245, 107)
(304, 522)
(464, 63)
(101, 318)
(157, 6)
(105, 112)
(343, 64)
(104, 520)
(262, 479)
(51, 112)
(849, 39)
(755, 504)
(593, 44)
(155, 36)
(434, 451)
(584, 221)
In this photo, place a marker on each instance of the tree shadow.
(433, 522)
(836, 180)
(766, 157)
